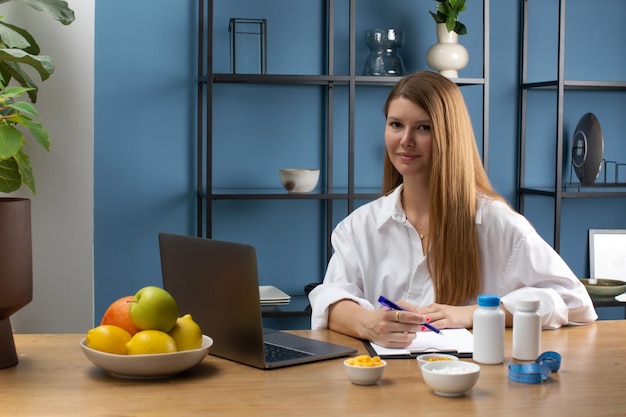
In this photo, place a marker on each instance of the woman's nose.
(407, 139)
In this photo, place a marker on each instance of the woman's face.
(408, 138)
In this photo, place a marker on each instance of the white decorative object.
(299, 180)
(448, 55)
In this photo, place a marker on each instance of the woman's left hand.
(445, 316)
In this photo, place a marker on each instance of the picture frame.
(607, 253)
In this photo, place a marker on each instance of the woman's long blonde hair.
(457, 177)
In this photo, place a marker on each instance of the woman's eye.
(424, 128)
(395, 125)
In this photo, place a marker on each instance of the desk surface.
(53, 378)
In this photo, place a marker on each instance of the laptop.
(217, 283)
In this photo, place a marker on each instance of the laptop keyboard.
(275, 353)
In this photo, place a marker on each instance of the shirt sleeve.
(530, 268)
(342, 281)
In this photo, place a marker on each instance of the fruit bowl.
(159, 365)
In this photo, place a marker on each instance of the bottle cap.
(488, 300)
(527, 305)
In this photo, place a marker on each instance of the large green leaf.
(10, 178)
(26, 171)
(17, 32)
(448, 13)
(38, 132)
(14, 92)
(11, 38)
(11, 140)
(42, 63)
(25, 108)
(10, 70)
(59, 9)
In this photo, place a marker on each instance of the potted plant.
(448, 56)
(18, 48)
(17, 117)
(448, 13)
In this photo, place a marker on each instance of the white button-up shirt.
(377, 252)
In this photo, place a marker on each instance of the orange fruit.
(118, 314)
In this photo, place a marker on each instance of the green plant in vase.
(448, 13)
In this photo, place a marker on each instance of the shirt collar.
(391, 208)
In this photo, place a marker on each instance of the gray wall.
(62, 209)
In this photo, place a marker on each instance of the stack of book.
(270, 295)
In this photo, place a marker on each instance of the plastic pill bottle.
(488, 330)
(526, 330)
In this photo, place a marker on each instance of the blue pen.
(393, 306)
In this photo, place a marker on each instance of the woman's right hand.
(388, 328)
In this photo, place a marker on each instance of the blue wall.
(145, 118)
(144, 128)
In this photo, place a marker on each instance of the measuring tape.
(537, 372)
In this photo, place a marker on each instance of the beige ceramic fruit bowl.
(298, 180)
(158, 365)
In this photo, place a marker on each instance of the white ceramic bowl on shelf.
(450, 378)
(158, 365)
(299, 180)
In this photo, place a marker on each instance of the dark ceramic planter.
(16, 270)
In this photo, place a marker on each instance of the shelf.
(579, 191)
(564, 187)
(278, 79)
(576, 85)
(336, 99)
(360, 80)
(281, 194)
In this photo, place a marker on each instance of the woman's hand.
(445, 316)
(388, 328)
(394, 328)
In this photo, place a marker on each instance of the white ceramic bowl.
(435, 357)
(158, 365)
(450, 378)
(299, 180)
(365, 375)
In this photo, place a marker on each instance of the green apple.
(153, 308)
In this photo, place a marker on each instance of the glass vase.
(383, 58)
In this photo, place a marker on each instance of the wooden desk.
(53, 378)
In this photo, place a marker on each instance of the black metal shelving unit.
(207, 194)
(562, 188)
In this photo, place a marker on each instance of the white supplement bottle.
(526, 330)
(488, 330)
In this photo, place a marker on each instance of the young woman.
(439, 236)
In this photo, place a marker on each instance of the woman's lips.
(407, 156)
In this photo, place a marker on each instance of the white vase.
(448, 55)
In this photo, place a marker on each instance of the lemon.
(108, 338)
(186, 333)
(150, 341)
